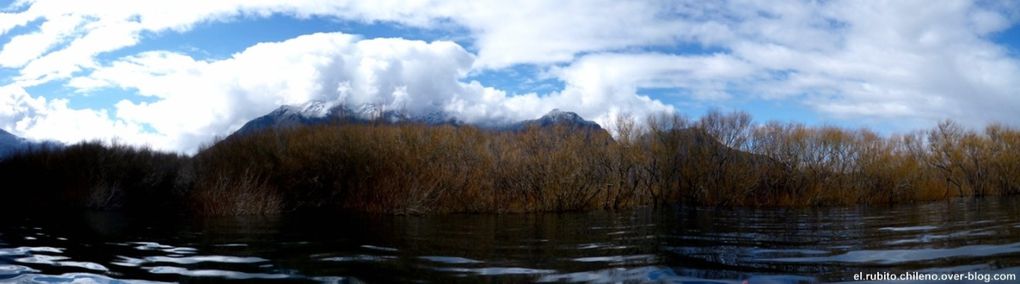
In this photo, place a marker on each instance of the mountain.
(320, 112)
(288, 116)
(10, 143)
(556, 117)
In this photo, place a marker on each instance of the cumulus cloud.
(40, 119)
(221, 95)
(415, 76)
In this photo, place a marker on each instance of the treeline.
(721, 159)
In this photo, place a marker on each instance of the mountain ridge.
(320, 112)
(10, 144)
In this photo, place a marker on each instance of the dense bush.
(93, 175)
(720, 159)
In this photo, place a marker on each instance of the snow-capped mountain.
(289, 116)
(320, 112)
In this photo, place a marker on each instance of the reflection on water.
(672, 245)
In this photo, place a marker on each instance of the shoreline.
(719, 161)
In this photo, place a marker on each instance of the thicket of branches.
(720, 159)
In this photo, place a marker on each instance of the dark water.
(667, 245)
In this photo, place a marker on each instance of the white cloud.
(40, 119)
(891, 60)
(600, 77)
(15, 104)
(932, 64)
(198, 100)
(24, 48)
(95, 27)
(79, 53)
(512, 32)
(860, 59)
(506, 33)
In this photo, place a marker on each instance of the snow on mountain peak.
(319, 112)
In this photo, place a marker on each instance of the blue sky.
(175, 75)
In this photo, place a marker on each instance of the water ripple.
(76, 278)
(449, 259)
(215, 273)
(641, 258)
(908, 229)
(205, 258)
(677, 245)
(27, 250)
(11, 270)
(358, 258)
(907, 255)
(492, 271)
(380, 248)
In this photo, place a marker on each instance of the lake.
(695, 245)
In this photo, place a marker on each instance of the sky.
(176, 75)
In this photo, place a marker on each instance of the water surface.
(700, 245)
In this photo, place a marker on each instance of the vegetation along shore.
(721, 159)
